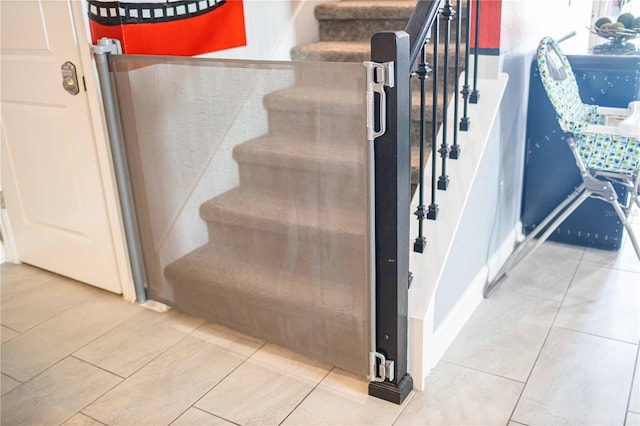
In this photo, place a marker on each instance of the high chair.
(605, 143)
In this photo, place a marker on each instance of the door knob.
(70, 78)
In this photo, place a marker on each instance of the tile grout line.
(96, 366)
(97, 398)
(13, 378)
(544, 342)
(37, 375)
(220, 381)
(12, 329)
(486, 372)
(306, 396)
(635, 366)
(406, 404)
(80, 412)
(89, 297)
(608, 266)
(160, 353)
(595, 335)
(203, 411)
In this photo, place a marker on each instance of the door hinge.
(380, 368)
(2, 205)
(379, 76)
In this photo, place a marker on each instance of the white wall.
(273, 28)
(491, 219)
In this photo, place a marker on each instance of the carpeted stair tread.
(209, 270)
(291, 153)
(343, 10)
(326, 101)
(333, 51)
(250, 209)
(352, 51)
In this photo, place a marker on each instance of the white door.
(51, 178)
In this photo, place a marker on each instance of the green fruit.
(602, 21)
(607, 26)
(636, 23)
(626, 19)
(617, 26)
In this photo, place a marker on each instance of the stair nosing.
(220, 210)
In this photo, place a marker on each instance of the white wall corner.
(457, 318)
(488, 67)
(500, 256)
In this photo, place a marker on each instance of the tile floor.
(556, 344)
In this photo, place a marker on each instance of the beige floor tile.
(634, 401)
(18, 277)
(504, 335)
(624, 259)
(230, 340)
(22, 310)
(578, 379)
(56, 394)
(7, 334)
(342, 399)
(194, 417)
(542, 275)
(633, 419)
(82, 420)
(174, 381)
(266, 388)
(30, 353)
(604, 302)
(132, 344)
(7, 384)
(457, 395)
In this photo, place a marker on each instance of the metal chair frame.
(596, 181)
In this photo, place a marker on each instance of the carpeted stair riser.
(358, 21)
(337, 117)
(273, 231)
(261, 302)
(314, 188)
(340, 51)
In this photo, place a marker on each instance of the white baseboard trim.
(449, 329)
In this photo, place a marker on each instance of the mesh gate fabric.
(250, 182)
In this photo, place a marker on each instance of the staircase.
(287, 258)
(345, 30)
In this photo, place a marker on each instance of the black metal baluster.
(465, 122)
(421, 212)
(447, 15)
(455, 148)
(432, 214)
(475, 94)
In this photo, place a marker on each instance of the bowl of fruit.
(626, 27)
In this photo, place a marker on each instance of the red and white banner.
(169, 27)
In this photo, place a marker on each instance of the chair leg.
(627, 225)
(548, 225)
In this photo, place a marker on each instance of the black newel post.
(392, 215)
